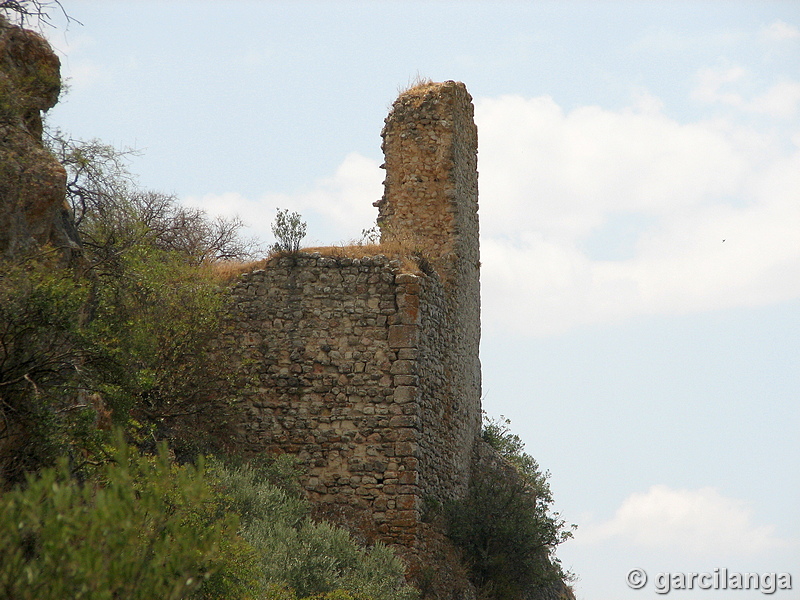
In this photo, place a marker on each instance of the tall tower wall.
(430, 202)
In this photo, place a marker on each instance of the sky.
(640, 225)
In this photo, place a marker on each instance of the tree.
(113, 215)
(133, 335)
(504, 524)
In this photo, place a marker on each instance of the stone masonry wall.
(369, 373)
(333, 360)
(430, 201)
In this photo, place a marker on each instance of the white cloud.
(337, 208)
(780, 101)
(781, 31)
(698, 522)
(554, 183)
(711, 81)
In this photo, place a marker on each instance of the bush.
(504, 525)
(289, 229)
(303, 558)
(158, 323)
(45, 357)
(497, 433)
(142, 529)
(138, 346)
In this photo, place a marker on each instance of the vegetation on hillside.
(116, 419)
(125, 338)
(505, 525)
(126, 343)
(142, 526)
(103, 365)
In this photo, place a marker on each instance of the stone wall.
(430, 201)
(331, 361)
(366, 369)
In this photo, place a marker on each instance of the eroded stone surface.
(33, 207)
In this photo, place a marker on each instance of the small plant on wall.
(289, 229)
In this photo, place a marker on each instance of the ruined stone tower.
(364, 368)
(430, 201)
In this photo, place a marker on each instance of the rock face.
(33, 207)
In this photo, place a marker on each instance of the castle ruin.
(366, 369)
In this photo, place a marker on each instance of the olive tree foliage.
(298, 555)
(140, 528)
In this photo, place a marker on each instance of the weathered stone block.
(403, 367)
(405, 434)
(405, 393)
(403, 336)
(406, 448)
(406, 502)
(406, 380)
(404, 421)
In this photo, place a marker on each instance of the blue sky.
(648, 364)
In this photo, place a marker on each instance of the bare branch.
(38, 11)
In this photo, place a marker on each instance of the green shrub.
(158, 321)
(497, 433)
(504, 524)
(300, 557)
(142, 529)
(289, 229)
(261, 493)
(45, 356)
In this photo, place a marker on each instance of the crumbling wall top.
(430, 195)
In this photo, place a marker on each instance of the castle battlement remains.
(366, 370)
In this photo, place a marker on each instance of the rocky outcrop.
(33, 207)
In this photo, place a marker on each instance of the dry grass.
(229, 270)
(417, 85)
(408, 251)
